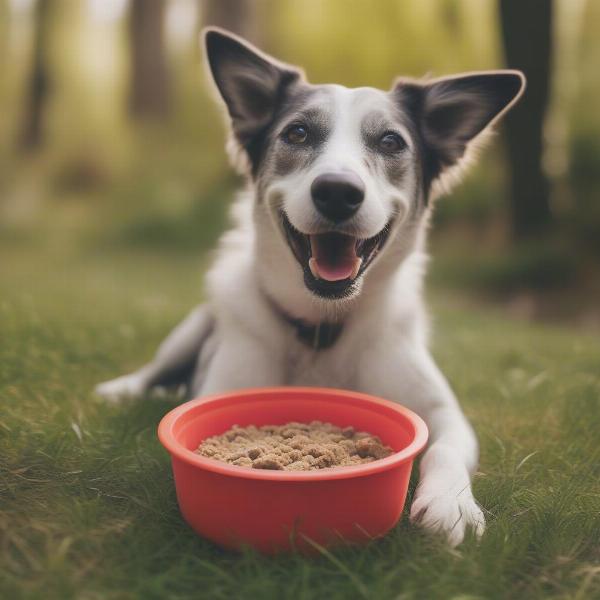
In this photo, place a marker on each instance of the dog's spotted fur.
(259, 290)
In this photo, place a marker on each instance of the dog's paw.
(450, 514)
(122, 388)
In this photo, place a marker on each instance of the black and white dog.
(319, 282)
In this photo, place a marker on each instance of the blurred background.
(111, 145)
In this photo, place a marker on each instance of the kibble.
(294, 447)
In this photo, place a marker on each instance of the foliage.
(98, 166)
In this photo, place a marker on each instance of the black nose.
(338, 196)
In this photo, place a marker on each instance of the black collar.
(319, 336)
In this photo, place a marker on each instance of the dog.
(319, 281)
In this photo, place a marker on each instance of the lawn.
(87, 504)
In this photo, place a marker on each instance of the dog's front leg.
(443, 500)
(242, 360)
(173, 363)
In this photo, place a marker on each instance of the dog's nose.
(338, 196)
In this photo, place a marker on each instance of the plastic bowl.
(274, 511)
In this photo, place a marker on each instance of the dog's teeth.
(312, 265)
(356, 268)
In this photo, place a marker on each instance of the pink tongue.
(334, 256)
(335, 272)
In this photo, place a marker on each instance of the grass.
(87, 505)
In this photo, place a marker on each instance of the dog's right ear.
(250, 82)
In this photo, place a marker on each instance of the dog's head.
(344, 173)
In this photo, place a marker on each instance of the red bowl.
(280, 510)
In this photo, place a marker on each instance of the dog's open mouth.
(333, 261)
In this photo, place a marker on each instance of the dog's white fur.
(240, 341)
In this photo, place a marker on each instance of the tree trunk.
(38, 87)
(149, 93)
(238, 16)
(4, 25)
(527, 37)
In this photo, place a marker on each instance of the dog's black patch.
(392, 165)
(287, 158)
(291, 102)
(289, 96)
(410, 101)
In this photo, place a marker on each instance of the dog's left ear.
(452, 111)
(250, 82)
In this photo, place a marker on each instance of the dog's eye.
(295, 134)
(391, 142)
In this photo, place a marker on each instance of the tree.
(38, 86)
(149, 92)
(527, 38)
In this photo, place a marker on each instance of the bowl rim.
(176, 449)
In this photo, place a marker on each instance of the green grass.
(87, 505)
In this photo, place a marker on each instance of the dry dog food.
(294, 446)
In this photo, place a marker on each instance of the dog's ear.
(250, 82)
(452, 111)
